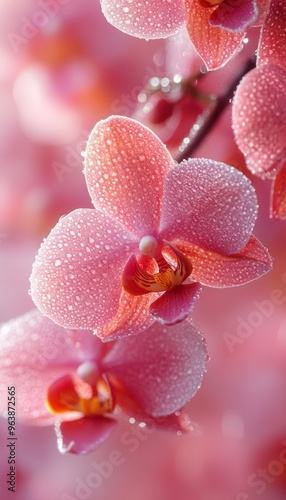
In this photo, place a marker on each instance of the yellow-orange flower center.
(69, 393)
(137, 281)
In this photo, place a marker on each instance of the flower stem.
(208, 118)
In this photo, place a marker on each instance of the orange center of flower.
(70, 393)
(137, 281)
(209, 3)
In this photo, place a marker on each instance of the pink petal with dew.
(263, 6)
(278, 196)
(132, 317)
(175, 305)
(272, 44)
(162, 368)
(125, 167)
(84, 435)
(235, 15)
(149, 20)
(209, 204)
(76, 277)
(259, 118)
(176, 422)
(216, 46)
(34, 351)
(213, 269)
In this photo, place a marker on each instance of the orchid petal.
(216, 46)
(131, 318)
(34, 351)
(175, 304)
(263, 7)
(213, 269)
(259, 118)
(278, 208)
(76, 277)
(176, 422)
(235, 16)
(210, 204)
(149, 20)
(272, 44)
(125, 168)
(162, 368)
(83, 435)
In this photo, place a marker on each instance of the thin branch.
(208, 118)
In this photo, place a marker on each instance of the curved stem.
(208, 118)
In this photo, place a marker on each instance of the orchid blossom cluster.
(115, 284)
(133, 266)
(218, 30)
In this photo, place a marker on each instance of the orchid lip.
(137, 281)
(70, 394)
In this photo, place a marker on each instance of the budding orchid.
(157, 230)
(82, 386)
(216, 27)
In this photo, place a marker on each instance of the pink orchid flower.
(259, 109)
(216, 27)
(73, 380)
(157, 230)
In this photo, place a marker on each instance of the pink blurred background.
(62, 68)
